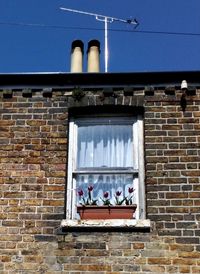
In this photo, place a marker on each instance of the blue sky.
(47, 49)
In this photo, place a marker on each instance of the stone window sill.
(106, 224)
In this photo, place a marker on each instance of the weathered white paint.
(106, 223)
(141, 191)
(70, 184)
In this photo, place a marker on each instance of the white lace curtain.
(104, 147)
(107, 146)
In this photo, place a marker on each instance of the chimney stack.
(93, 56)
(77, 56)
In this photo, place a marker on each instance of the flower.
(128, 199)
(90, 188)
(87, 199)
(118, 201)
(130, 190)
(80, 193)
(106, 200)
(118, 193)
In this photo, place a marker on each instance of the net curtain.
(105, 147)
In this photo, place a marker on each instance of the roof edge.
(67, 80)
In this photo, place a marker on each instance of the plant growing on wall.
(78, 94)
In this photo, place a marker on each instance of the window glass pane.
(107, 146)
(110, 183)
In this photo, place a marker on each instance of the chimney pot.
(93, 56)
(77, 56)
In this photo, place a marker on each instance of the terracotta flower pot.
(107, 212)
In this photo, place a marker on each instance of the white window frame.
(138, 143)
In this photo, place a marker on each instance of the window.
(107, 153)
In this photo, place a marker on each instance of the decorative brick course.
(33, 160)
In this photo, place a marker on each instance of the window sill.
(106, 224)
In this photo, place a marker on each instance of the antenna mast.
(106, 20)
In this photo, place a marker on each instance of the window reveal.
(105, 152)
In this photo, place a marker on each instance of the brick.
(15, 207)
(11, 238)
(13, 195)
(177, 210)
(34, 160)
(184, 261)
(32, 188)
(52, 216)
(195, 195)
(192, 173)
(29, 216)
(159, 261)
(99, 267)
(154, 269)
(54, 188)
(6, 123)
(182, 247)
(187, 255)
(54, 203)
(156, 218)
(170, 232)
(45, 238)
(31, 202)
(76, 267)
(36, 123)
(177, 181)
(187, 240)
(12, 223)
(195, 269)
(176, 195)
(156, 159)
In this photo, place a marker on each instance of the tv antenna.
(106, 19)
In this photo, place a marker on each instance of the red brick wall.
(33, 152)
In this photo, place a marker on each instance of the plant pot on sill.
(107, 212)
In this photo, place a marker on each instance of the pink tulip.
(130, 190)
(80, 192)
(90, 188)
(118, 193)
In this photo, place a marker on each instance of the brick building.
(39, 233)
